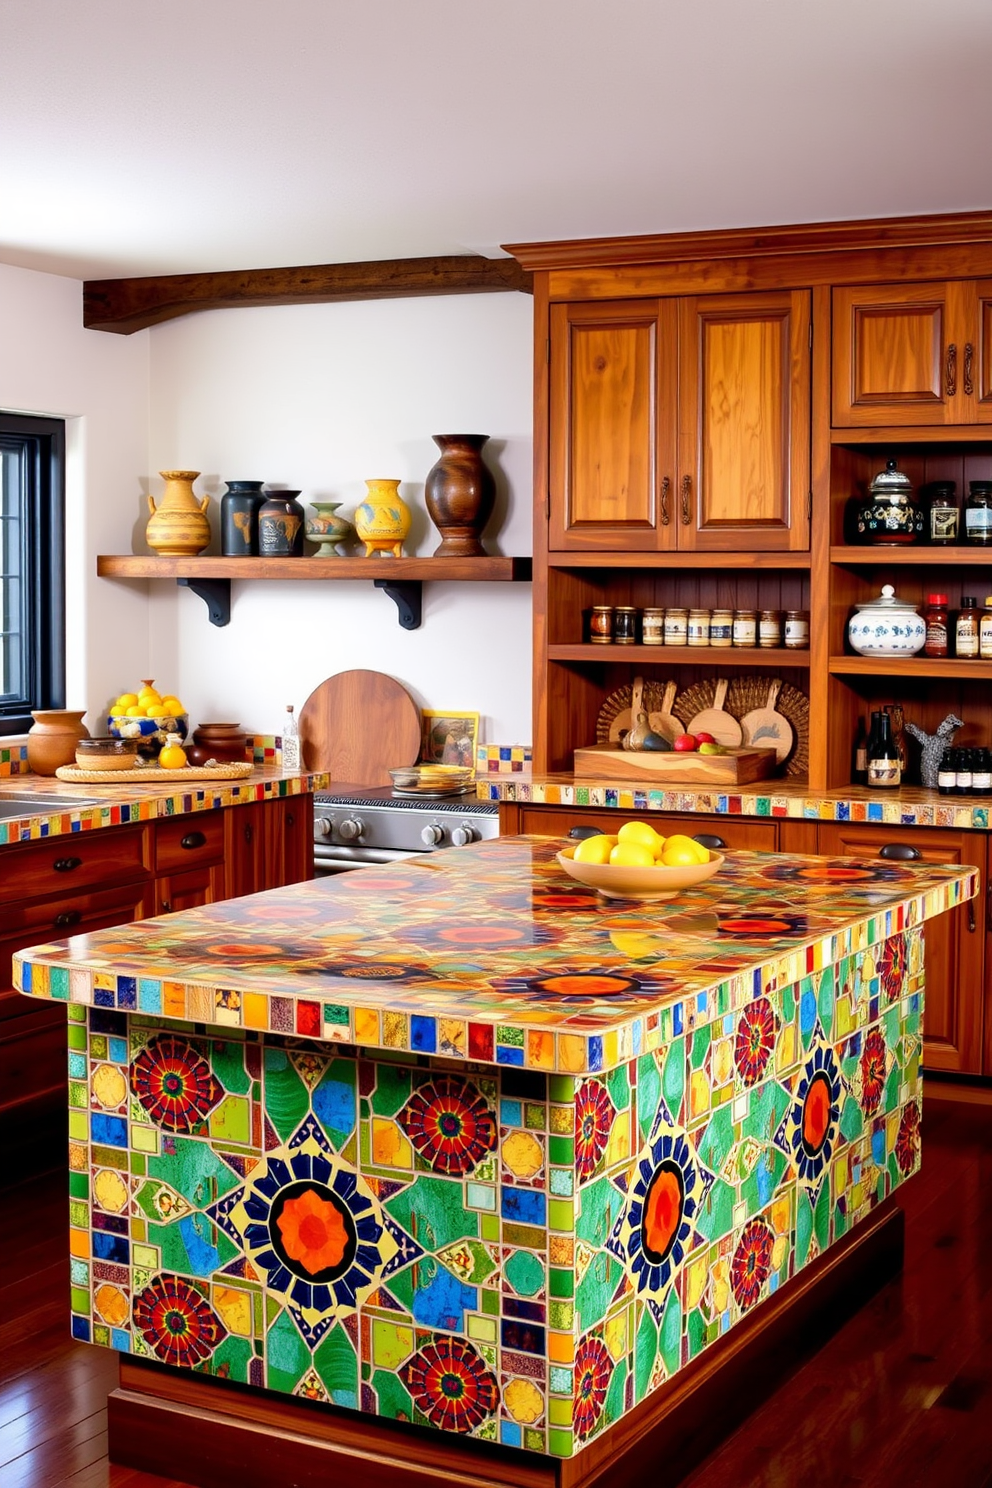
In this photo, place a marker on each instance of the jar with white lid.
(887, 626)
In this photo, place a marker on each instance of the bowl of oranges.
(639, 863)
(147, 716)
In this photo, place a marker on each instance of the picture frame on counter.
(448, 738)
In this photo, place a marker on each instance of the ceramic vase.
(178, 526)
(383, 519)
(460, 493)
(239, 518)
(280, 525)
(53, 737)
(326, 529)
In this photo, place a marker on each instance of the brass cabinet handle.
(192, 840)
(951, 371)
(66, 865)
(686, 487)
(969, 356)
(665, 487)
(67, 917)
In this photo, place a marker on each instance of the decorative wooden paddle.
(722, 725)
(766, 728)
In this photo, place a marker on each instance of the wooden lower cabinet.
(742, 832)
(92, 881)
(953, 1020)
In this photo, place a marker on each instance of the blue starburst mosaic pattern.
(513, 1255)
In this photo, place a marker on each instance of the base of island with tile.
(455, 1171)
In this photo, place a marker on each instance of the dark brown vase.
(459, 493)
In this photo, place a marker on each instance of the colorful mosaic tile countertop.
(910, 807)
(491, 954)
(117, 804)
(715, 1092)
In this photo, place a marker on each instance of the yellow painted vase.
(178, 526)
(383, 519)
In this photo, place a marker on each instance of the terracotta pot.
(178, 526)
(53, 737)
(460, 493)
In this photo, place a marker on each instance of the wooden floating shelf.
(926, 557)
(910, 666)
(678, 561)
(707, 656)
(400, 578)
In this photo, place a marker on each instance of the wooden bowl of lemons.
(639, 863)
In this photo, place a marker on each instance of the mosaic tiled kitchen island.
(492, 1163)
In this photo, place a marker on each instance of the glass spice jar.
(652, 626)
(769, 628)
(676, 627)
(721, 627)
(624, 625)
(935, 618)
(797, 630)
(978, 514)
(699, 627)
(601, 625)
(745, 627)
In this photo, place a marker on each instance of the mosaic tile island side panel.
(440, 1234)
(493, 1252)
(492, 954)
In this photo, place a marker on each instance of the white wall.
(318, 398)
(50, 365)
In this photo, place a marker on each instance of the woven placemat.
(153, 774)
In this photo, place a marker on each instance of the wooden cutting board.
(716, 721)
(358, 726)
(737, 767)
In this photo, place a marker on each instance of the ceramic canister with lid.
(889, 513)
(887, 626)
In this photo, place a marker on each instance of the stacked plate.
(432, 780)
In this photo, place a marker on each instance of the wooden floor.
(902, 1395)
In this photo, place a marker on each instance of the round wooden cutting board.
(358, 726)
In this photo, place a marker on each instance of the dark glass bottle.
(884, 768)
(859, 755)
(947, 772)
(981, 773)
(978, 514)
(944, 518)
(963, 772)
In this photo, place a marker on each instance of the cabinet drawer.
(186, 841)
(62, 865)
(73, 914)
(742, 833)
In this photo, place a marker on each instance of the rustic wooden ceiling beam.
(127, 305)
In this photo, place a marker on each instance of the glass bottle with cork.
(291, 759)
(966, 627)
(884, 768)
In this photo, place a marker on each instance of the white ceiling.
(167, 136)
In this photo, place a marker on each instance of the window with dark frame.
(32, 568)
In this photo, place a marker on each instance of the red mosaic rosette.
(872, 1071)
(756, 1030)
(593, 1121)
(449, 1124)
(450, 1385)
(752, 1263)
(908, 1139)
(177, 1322)
(174, 1083)
(593, 1367)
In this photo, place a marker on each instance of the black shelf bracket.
(216, 595)
(407, 595)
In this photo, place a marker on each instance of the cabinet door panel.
(954, 994)
(612, 444)
(197, 886)
(182, 842)
(982, 353)
(744, 422)
(77, 860)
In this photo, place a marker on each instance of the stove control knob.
(351, 828)
(463, 835)
(432, 836)
(323, 825)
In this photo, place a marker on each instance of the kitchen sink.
(41, 805)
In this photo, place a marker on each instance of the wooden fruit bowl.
(657, 882)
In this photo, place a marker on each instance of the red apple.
(705, 739)
(685, 743)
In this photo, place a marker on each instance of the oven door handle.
(358, 857)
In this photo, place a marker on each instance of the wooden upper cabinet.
(744, 395)
(613, 425)
(680, 424)
(912, 354)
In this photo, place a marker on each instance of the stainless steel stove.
(355, 828)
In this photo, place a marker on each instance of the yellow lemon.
(643, 832)
(153, 710)
(125, 701)
(137, 711)
(594, 849)
(632, 855)
(681, 843)
(172, 705)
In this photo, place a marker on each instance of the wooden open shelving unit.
(401, 578)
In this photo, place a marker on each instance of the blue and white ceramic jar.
(888, 626)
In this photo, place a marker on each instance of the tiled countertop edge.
(917, 808)
(550, 1050)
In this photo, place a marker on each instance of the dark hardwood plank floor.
(901, 1395)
